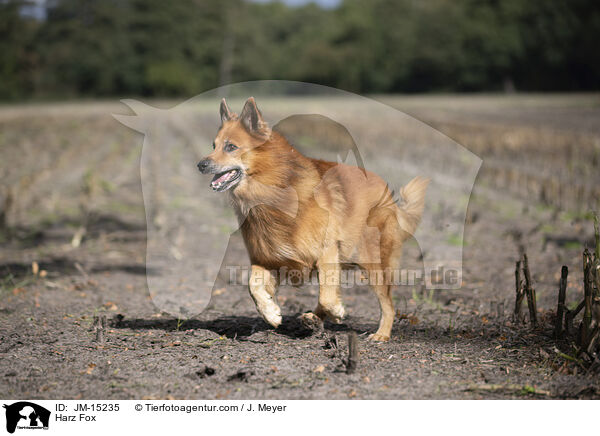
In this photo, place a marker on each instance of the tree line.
(96, 48)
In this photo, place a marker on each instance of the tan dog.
(298, 213)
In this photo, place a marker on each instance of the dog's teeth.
(223, 179)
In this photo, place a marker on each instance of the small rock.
(117, 320)
(202, 372)
(242, 375)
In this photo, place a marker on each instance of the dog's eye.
(229, 147)
(214, 146)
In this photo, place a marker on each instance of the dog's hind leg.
(380, 279)
(330, 298)
(262, 290)
(386, 319)
(381, 274)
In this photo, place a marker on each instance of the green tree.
(18, 60)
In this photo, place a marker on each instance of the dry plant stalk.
(570, 316)
(588, 338)
(587, 290)
(597, 236)
(352, 362)
(530, 292)
(100, 326)
(596, 261)
(562, 295)
(519, 292)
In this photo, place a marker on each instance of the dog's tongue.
(223, 178)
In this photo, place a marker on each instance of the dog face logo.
(26, 415)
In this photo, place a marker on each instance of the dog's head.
(231, 158)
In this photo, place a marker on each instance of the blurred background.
(57, 49)
(515, 82)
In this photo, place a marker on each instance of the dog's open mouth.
(225, 180)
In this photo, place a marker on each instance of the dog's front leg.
(330, 298)
(262, 291)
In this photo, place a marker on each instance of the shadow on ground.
(239, 327)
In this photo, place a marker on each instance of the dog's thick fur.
(303, 214)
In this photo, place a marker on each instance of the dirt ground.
(459, 344)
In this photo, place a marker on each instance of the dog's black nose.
(203, 165)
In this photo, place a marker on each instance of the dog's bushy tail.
(410, 209)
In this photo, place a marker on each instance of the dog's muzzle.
(206, 166)
(224, 179)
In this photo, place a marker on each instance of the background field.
(71, 202)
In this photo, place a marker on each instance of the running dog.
(299, 213)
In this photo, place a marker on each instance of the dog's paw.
(378, 337)
(311, 321)
(271, 312)
(266, 306)
(337, 314)
(334, 314)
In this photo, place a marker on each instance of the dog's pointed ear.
(252, 119)
(226, 114)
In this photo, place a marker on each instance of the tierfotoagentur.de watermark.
(346, 278)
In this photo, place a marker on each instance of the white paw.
(332, 313)
(266, 306)
(378, 337)
(270, 312)
(337, 314)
